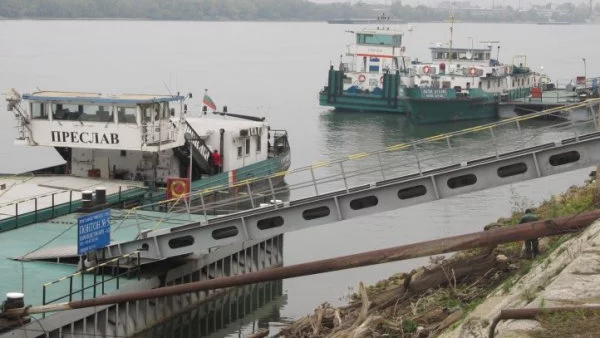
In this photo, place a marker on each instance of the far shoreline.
(290, 21)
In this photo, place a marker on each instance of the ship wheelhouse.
(89, 120)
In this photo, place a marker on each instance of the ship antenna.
(451, 33)
(168, 90)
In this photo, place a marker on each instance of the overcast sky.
(482, 3)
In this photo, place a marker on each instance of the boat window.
(258, 143)
(156, 109)
(38, 111)
(247, 146)
(146, 115)
(96, 113)
(488, 83)
(66, 111)
(374, 39)
(165, 110)
(239, 149)
(126, 114)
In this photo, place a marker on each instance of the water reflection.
(349, 132)
(235, 313)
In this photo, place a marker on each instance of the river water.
(276, 70)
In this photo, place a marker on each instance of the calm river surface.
(276, 70)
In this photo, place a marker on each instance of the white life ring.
(178, 189)
(362, 78)
(506, 69)
(381, 79)
(426, 69)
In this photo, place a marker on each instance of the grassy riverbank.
(432, 299)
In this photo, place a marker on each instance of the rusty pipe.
(533, 313)
(519, 232)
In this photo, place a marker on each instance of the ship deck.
(25, 190)
(557, 97)
(58, 237)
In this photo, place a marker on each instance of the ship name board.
(436, 93)
(376, 50)
(84, 137)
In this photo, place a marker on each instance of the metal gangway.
(482, 157)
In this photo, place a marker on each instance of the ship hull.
(362, 103)
(426, 106)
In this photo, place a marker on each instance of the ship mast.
(451, 34)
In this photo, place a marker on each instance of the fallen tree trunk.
(459, 270)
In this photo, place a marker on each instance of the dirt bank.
(438, 299)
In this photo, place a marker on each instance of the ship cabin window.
(239, 152)
(126, 114)
(379, 39)
(38, 111)
(488, 84)
(157, 112)
(81, 112)
(146, 113)
(247, 146)
(258, 144)
(97, 113)
(69, 112)
(165, 111)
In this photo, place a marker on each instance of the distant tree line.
(266, 10)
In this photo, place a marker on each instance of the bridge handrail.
(133, 255)
(358, 156)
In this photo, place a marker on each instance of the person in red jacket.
(217, 162)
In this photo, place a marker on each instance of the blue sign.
(93, 231)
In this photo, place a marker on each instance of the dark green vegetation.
(284, 10)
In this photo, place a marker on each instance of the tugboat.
(134, 144)
(465, 83)
(458, 84)
(371, 77)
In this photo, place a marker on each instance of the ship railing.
(401, 161)
(96, 285)
(29, 211)
(197, 142)
(280, 143)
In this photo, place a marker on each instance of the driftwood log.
(386, 309)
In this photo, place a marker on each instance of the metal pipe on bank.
(533, 313)
(556, 226)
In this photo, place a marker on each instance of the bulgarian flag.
(209, 102)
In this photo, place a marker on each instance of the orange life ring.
(473, 71)
(362, 78)
(178, 189)
(426, 69)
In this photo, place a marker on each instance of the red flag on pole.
(209, 102)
